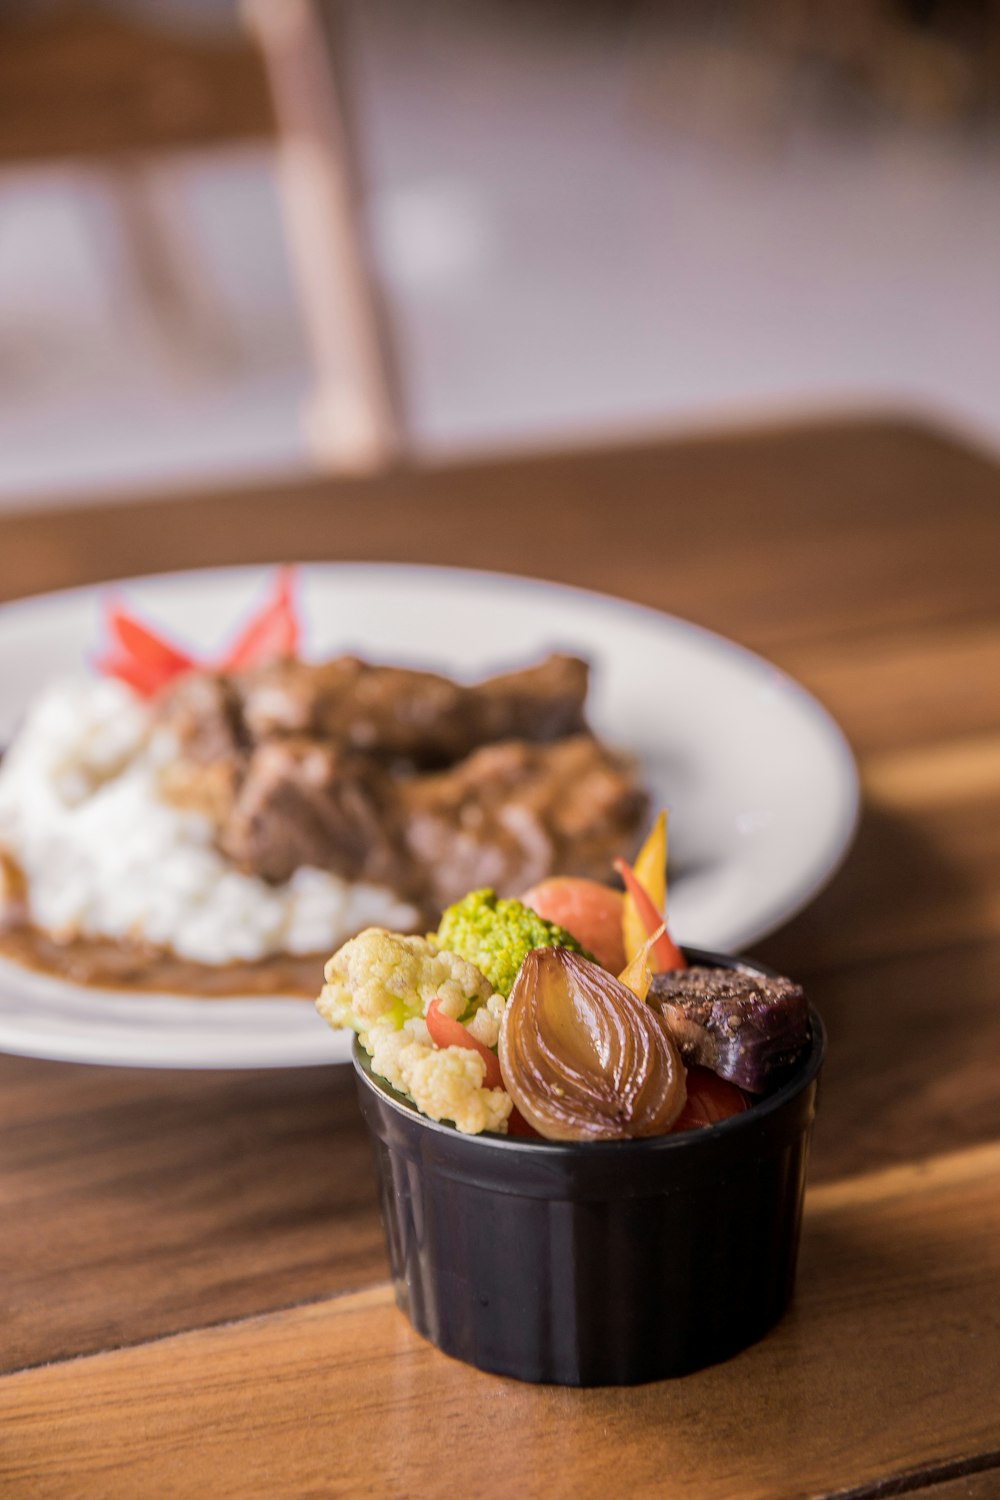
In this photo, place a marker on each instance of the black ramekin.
(599, 1263)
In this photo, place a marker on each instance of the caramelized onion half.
(582, 1057)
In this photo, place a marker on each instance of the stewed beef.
(306, 802)
(205, 711)
(513, 813)
(403, 778)
(398, 714)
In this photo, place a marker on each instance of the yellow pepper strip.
(637, 974)
(651, 871)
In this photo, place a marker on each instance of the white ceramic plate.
(760, 783)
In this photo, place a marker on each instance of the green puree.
(494, 933)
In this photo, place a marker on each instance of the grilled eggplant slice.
(745, 1027)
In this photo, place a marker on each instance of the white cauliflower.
(382, 978)
(445, 1083)
(380, 984)
(485, 1024)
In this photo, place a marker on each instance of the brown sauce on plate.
(112, 965)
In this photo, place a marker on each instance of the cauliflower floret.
(381, 983)
(445, 1083)
(485, 1024)
(384, 979)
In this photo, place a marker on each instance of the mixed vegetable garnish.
(569, 1014)
(148, 662)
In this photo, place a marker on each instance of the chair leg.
(354, 421)
(164, 274)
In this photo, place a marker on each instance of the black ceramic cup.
(595, 1263)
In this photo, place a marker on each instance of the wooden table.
(193, 1282)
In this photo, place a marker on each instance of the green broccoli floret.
(495, 933)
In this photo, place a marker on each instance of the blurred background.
(249, 239)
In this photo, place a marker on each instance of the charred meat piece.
(745, 1027)
(303, 802)
(513, 813)
(419, 717)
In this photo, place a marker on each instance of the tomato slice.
(709, 1100)
(518, 1125)
(447, 1032)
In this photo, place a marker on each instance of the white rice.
(105, 857)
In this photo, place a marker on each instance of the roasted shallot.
(582, 1057)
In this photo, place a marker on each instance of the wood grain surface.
(776, 537)
(888, 1364)
(135, 1202)
(862, 558)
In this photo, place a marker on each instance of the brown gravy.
(121, 966)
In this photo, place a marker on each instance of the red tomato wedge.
(446, 1032)
(666, 954)
(709, 1100)
(518, 1125)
